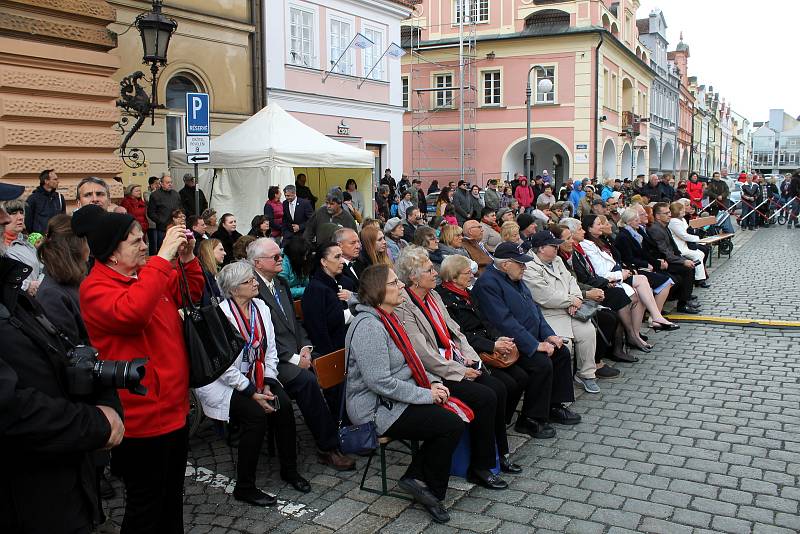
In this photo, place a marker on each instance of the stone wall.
(57, 94)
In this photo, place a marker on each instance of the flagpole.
(327, 73)
(373, 67)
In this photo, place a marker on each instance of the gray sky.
(733, 41)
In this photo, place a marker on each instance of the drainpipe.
(257, 57)
(596, 115)
(691, 152)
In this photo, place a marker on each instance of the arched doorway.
(546, 154)
(627, 162)
(609, 160)
(685, 164)
(653, 155)
(667, 158)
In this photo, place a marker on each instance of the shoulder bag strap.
(347, 341)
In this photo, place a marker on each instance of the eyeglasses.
(430, 270)
(15, 211)
(396, 283)
(276, 258)
(250, 281)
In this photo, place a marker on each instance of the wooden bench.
(331, 372)
(298, 310)
(721, 241)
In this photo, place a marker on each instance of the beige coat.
(423, 339)
(553, 292)
(491, 237)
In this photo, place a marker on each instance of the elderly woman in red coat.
(135, 205)
(694, 188)
(130, 307)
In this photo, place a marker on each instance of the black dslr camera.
(85, 371)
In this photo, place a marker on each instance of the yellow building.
(60, 68)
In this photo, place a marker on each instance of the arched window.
(177, 87)
(547, 21)
(175, 102)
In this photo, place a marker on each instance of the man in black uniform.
(49, 482)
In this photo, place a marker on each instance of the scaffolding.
(434, 154)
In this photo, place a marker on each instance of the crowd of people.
(450, 316)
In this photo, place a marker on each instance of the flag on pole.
(395, 51)
(362, 41)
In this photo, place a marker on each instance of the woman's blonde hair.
(206, 255)
(369, 240)
(452, 266)
(449, 233)
(508, 230)
(676, 208)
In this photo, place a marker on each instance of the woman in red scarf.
(445, 352)
(387, 384)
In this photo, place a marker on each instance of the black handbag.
(356, 439)
(587, 310)
(211, 342)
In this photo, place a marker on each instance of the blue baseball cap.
(10, 191)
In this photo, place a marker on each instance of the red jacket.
(524, 194)
(138, 318)
(695, 192)
(138, 209)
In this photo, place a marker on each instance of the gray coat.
(377, 369)
(161, 205)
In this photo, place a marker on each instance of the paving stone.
(692, 517)
(659, 526)
(339, 513)
(507, 512)
(616, 517)
(729, 524)
(472, 522)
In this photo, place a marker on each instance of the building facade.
(316, 73)
(776, 144)
(665, 152)
(214, 51)
(686, 110)
(58, 92)
(586, 125)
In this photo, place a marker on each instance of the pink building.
(358, 102)
(586, 126)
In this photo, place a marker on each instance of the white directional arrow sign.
(198, 158)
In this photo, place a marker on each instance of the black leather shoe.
(664, 327)
(624, 357)
(438, 513)
(703, 284)
(297, 482)
(420, 492)
(507, 466)
(487, 479)
(254, 496)
(644, 337)
(535, 429)
(564, 416)
(607, 372)
(687, 309)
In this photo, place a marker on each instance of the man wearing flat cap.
(331, 212)
(542, 354)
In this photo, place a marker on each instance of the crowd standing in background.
(570, 270)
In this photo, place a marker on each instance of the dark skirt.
(615, 298)
(656, 279)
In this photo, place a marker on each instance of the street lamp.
(155, 30)
(545, 85)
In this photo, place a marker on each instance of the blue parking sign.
(197, 122)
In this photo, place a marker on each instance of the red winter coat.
(138, 317)
(695, 192)
(137, 208)
(524, 194)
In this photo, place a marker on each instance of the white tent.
(268, 149)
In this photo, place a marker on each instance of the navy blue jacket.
(41, 207)
(511, 310)
(323, 313)
(302, 213)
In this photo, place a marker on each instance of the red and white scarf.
(253, 332)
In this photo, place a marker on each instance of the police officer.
(46, 438)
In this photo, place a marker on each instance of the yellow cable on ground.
(732, 320)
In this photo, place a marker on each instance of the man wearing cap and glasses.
(542, 354)
(331, 212)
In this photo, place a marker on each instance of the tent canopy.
(264, 151)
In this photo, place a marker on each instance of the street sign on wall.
(198, 129)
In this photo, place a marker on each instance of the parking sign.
(197, 121)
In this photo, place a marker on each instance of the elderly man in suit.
(473, 244)
(296, 213)
(294, 354)
(542, 353)
(679, 268)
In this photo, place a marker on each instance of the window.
(301, 37)
(405, 92)
(792, 157)
(444, 99)
(547, 73)
(491, 88)
(372, 54)
(475, 11)
(606, 88)
(177, 87)
(340, 38)
(614, 92)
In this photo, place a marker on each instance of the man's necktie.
(277, 295)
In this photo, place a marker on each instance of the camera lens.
(122, 374)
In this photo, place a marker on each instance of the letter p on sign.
(197, 120)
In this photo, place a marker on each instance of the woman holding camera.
(130, 307)
(248, 393)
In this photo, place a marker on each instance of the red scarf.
(255, 349)
(429, 309)
(463, 293)
(400, 338)
(579, 249)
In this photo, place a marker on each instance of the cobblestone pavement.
(702, 435)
